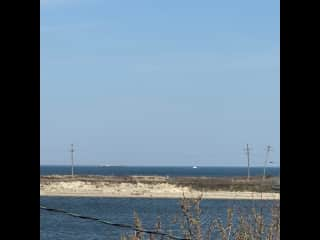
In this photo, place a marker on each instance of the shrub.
(250, 225)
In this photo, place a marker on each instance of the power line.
(248, 156)
(265, 161)
(72, 159)
(111, 223)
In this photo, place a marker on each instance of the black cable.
(111, 223)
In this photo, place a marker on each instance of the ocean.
(159, 171)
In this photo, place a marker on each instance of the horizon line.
(124, 165)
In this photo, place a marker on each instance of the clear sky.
(160, 82)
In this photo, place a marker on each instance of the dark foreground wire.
(111, 223)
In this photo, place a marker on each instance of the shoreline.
(212, 195)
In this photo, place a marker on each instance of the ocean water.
(54, 226)
(159, 171)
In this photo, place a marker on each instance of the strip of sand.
(143, 190)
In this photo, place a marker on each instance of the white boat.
(194, 167)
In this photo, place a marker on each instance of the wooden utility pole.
(72, 159)
(266, 161)
(248, 155)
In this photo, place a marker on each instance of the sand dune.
(157, 190)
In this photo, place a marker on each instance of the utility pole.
(248, 155)
(72, 158)
(265, 161)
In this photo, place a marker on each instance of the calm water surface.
(55, 226)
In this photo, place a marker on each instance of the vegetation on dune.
(225, 183)
(196, 183)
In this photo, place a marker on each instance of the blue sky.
(160, 82)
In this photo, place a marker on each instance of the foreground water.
(55, 226)
(159, 171)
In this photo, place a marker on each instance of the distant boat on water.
(194, 167)
(109, 165)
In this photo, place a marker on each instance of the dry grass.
(201, 184)
(238, 225)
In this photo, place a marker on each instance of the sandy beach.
(143, 190)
